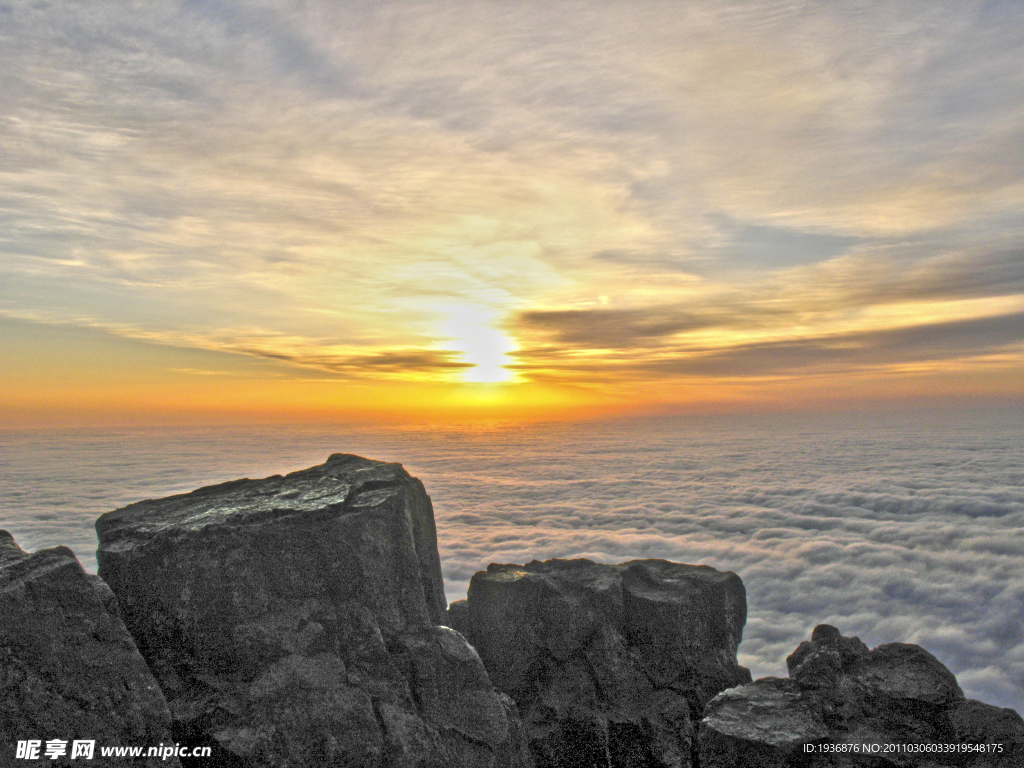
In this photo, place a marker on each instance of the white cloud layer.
(903, 530)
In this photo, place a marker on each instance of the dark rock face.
(69, 670)
(610, 665)
(292, 621)
(842, 705)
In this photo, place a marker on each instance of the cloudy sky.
(239, 208)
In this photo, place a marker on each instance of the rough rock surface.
(843, 706)
(69, 669)
(611, 665)
(292, 621)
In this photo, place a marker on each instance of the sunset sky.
(235, 209)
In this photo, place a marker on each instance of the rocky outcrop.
(69, 670)
(611, 665)
(293, 621)
(844, 706)
(301, 621)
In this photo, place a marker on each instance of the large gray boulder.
(844, 706)
(293, 621)
(611, 665)
(69, 669)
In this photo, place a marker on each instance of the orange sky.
(228, 211)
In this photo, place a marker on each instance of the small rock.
(761, 725)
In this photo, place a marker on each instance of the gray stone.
(982, 724)
(69, 669)
(293, 621)
(843, 705)
(458, 616)
(608, 663)
(762, 725)
(898, 672)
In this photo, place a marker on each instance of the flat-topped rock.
(292, 621)
(69, 669)
(387, 558)
(609, 664)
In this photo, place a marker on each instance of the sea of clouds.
(906, 529)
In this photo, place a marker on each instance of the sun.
(481, 345)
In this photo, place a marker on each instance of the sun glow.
(481, 344)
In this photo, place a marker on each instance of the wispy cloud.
(602, 177)
(961, 340)
(346, 360)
